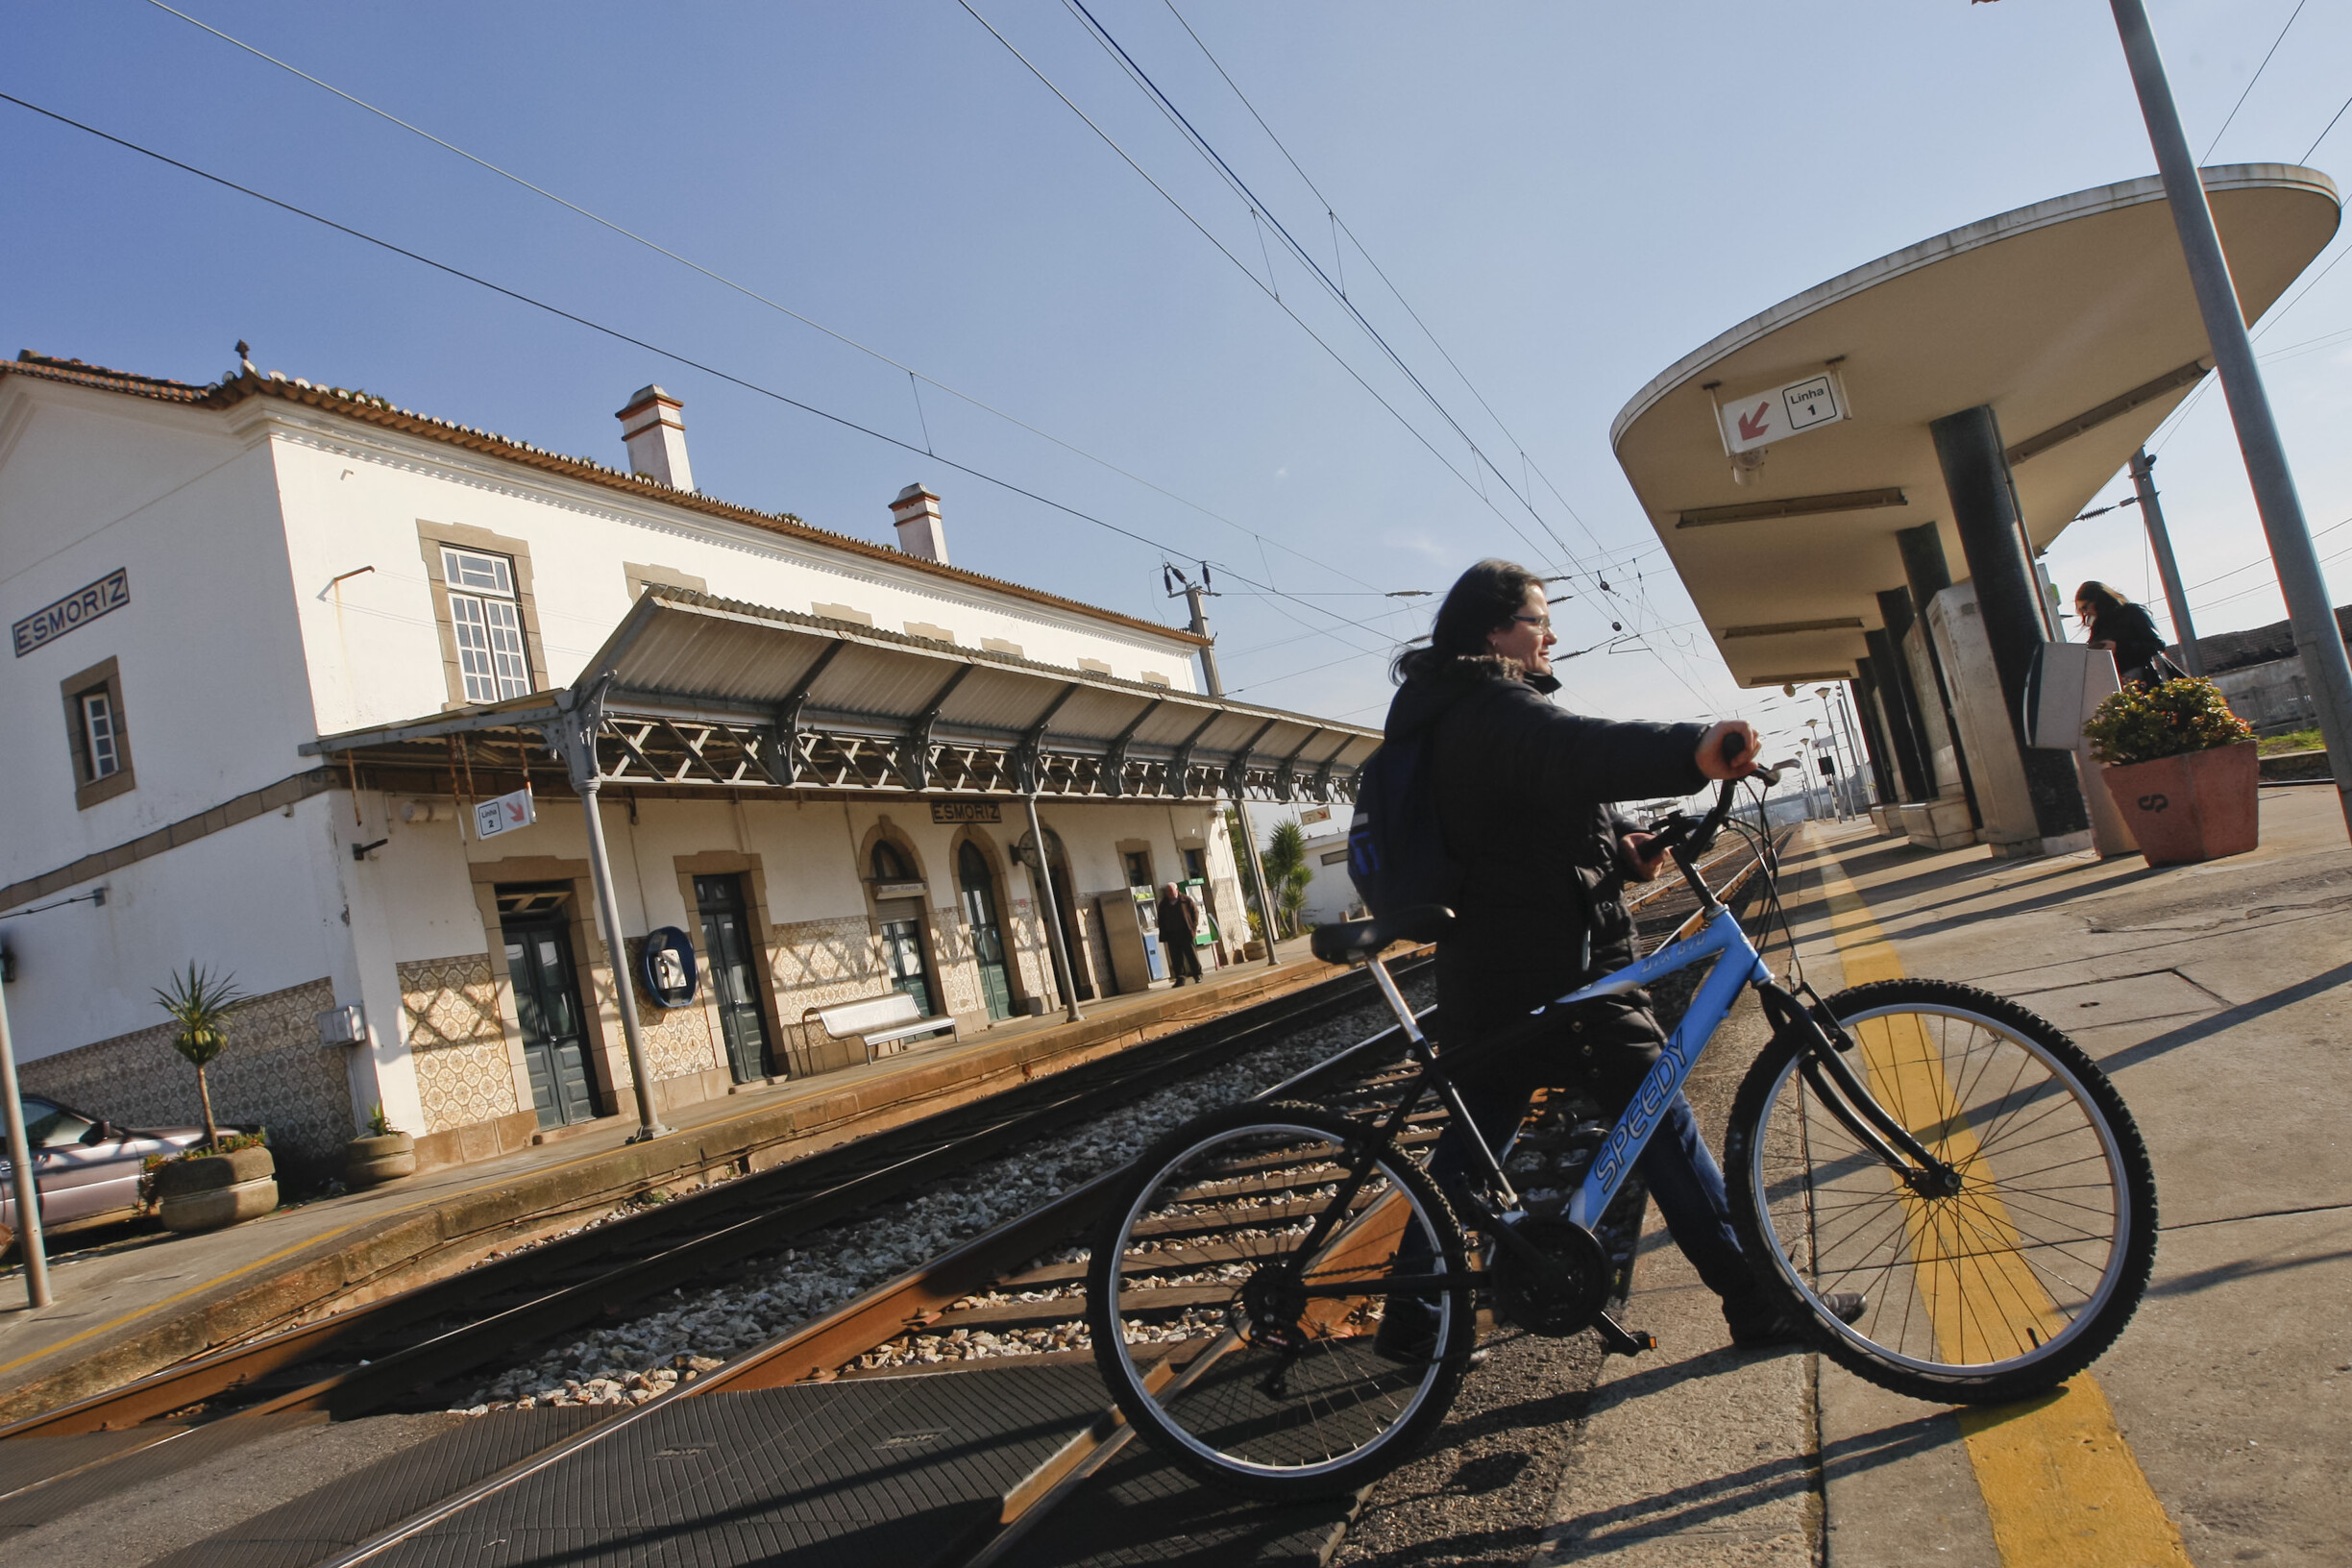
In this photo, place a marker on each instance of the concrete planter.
(2199, 806)
(368, 1160)
(216, 1189)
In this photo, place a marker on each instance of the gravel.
(633, 1361)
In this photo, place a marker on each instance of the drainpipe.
(575, 741)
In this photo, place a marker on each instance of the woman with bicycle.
(1523, 792)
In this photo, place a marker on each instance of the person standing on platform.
(2128, 631)
(1179, 933)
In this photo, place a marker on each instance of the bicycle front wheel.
(1994, 1292)
(1245, 1356)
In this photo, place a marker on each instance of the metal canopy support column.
(22, 1173)
(1041, 874)
(2176, 598)
(1236, 779)
(2300, 581)
(2008, 599)
(574, 739)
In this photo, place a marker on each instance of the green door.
(988, 939)
(546, 1001)
(727, 954)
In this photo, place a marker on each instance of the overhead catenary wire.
(752, 294)
(671, 354)
(2250, 80)
(1166, 106)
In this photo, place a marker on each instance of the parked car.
(89, 1168)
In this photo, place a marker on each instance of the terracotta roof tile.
(368, 407)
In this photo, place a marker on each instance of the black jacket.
(1525, 792)
(2133, 631)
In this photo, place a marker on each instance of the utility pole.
(2300, 582)
(2177, 599)
(1193, 594)
(21, 1172)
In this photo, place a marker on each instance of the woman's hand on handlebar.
(1719, 758)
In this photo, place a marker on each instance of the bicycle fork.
(1822, 1045)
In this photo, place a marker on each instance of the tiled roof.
(369, 408)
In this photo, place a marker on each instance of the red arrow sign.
(1752, 425)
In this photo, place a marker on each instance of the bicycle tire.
(1998, 1293)
(1209, 1206)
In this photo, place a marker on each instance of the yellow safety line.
(158, 1305)
(2060, 1483)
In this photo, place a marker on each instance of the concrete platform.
(135, 1305)
(2220, 999)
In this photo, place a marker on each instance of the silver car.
(89, 1168)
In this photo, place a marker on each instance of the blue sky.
(1569, 196)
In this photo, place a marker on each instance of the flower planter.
(2199, 806)
(216, 1189)
(368, 1160)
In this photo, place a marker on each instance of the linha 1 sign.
(1762, 418)
(503, 815)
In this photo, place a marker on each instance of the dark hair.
(2100, 597)
(1481, 601)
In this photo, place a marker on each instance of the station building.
(314, 690)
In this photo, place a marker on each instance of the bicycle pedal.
(1624, 1341)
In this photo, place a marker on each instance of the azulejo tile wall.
(464, 1073)
(816, 964)
(272, 1072)
(678, 1040)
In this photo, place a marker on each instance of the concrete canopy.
(2072, 318)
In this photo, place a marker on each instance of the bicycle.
(1945, 1151)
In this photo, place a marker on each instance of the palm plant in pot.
(220, 1181)
(2182, 770)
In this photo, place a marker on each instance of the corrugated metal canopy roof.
(691, 656)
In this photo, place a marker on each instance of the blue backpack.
(1397, 855)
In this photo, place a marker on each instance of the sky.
(1530, 210)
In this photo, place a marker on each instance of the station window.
(488, 624)
(95, 733)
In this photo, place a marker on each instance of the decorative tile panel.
(464, 1073)
(272, 1072)
(678, 1040)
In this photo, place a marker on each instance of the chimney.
(917, 514)
(657, 438)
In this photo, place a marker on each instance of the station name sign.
(76, 611)
(947, 812)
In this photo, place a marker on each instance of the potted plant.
(2182, 770)
(384, 1155)
(219, 1182)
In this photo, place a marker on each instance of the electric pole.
(2151, 513)
(1170, 577)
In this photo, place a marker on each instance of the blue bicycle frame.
(1738, 966)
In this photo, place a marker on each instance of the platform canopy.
(2072, 318)
(692, 692)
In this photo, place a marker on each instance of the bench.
(880, 1020)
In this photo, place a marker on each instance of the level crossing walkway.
(134, 1304)
(2220, 999)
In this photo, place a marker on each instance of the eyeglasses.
(1542, 622)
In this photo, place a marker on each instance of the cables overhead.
(518, 296)
(755, 296)
(2250, 80)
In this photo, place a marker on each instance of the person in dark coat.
(1180, 935)
(2127, 629)
(1523, 791)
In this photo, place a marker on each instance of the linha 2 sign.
(74, 611)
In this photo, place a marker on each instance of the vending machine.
(1130, 919)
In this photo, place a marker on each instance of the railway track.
(914, 1344)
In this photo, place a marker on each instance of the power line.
(1225, 170)
(671, 354)
(1339, 226)
(748, 292)
(2256, 77)
(2323, 135)
(1240, 265)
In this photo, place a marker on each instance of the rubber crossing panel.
(897, 1471)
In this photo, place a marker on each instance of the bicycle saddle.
(1352, 940)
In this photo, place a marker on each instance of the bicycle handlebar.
(1686, 840)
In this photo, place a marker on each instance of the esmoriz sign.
(74, 611)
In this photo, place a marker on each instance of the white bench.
(880, 1020)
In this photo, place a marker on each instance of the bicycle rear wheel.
(1997, 1291)
(1203, 1332)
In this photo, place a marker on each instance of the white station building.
(279, 649)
